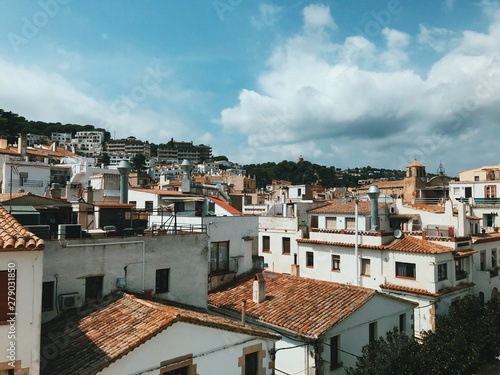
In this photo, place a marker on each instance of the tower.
(414, 180)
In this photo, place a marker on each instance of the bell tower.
(414, 180)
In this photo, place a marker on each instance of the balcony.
(493, 272)
(487, 201)
(460, 275)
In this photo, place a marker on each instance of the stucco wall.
(70, 262)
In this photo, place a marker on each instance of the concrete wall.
(25, 342)
(70, 262)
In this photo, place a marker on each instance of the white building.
(89, 142)
(21, 262)
(323, 325)
(129, 335)
(61, 138)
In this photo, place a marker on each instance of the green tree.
(138, 162)
(396, 354)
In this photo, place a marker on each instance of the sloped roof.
(116, 327)
(225, 206)
(14, 237)
(424, 292)
(302, 306)
(416, 245)
(46, 151)
(28, 198)
(345, 208)
(406, 244)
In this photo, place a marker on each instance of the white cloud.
(318, 17)
(268, 15)
(351, 101)
(438, 39)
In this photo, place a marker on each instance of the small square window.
(286, 245)
(266, 244)
(442, 271)
(365, 267)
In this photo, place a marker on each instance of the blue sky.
(343, 83)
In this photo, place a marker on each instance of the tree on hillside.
(138, 162)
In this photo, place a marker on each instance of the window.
(48, 296)
(402, 323)
(482, 260)
(350, 223)
(490, 191)
(468, 192)
(442, 271)
(335, 352)
(219, 256)
(266, 244)
(405, 270)
(372, 331)
(252, 363)
(149, 206)
(309, 259)
(93, 289)
(488, 220)
(476, 178)
(286, 245)
(23, 178)
(335, 262)
(178, 366)
(314, 221)
(494, 261)
(331, 223)
(365, 267)
(162, 280)
(7, 294)
(460, 268)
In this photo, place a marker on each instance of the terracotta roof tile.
(342, 244)
(302, 306)
(385, 184)
(114, 328)
(225, 205)
(344, 208)
(14, 237)
(427, 207)
(416, 245)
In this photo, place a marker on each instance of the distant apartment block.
(89, 142)
(128, 147)
(184, 150)
(34, 139)
(61, 138)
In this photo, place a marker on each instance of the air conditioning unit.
(69, 301)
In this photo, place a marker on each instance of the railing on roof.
(486, 201)
(429, 200)
(440, 231)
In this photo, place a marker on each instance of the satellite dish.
(398, 233)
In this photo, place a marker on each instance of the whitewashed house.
(323, 325)
(21, 268)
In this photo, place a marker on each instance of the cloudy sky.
(343, 83)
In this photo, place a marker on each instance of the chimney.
(374, 193)
(3, 143)
(88, 194)
(243, 311)
(22, 145)
(124, 169)
(295, 267)
(463, 229)
(148, 293)
(259, 288)
(55, 190)
(53, 146)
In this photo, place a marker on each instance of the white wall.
(185, 255)
(214, 351)
(28, 265)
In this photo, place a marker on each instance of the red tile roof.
(427, 207)
(302, 306)
(14, 237)
(116, 327)
(406, 244)
(42, 152)
(344, 208)
(416, 245)
(225, 206)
